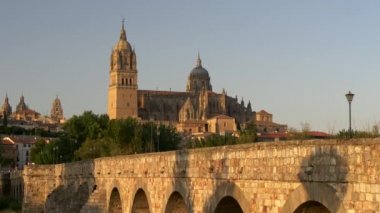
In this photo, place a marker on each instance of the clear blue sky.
(295, 59)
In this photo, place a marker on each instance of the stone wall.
(342, 176)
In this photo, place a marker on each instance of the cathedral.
(24, 113)
(197, 104)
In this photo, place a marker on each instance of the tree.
(168, 138)
(36, 151)
(345, 134)
(375, 130)
(90, 136)
(96, 148)
(249, 134)
(5, 119)
(87, 125)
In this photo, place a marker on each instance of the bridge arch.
(140, 202)
(110, 189)
(313, 195)
(227, 194)
(312, 206)
(228, 204)
(176, 204)
(114, 203)
(181, 188)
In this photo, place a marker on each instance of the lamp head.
(350, 96)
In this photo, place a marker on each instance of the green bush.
(8, 203)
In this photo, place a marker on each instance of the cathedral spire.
(21, 106)
(123, 35)
(6, 108)
(199, 61)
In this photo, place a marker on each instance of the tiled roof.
(6, 142)
(263, 112)
(318, 134)
(267, 123)
(159, 92)
(21, 139)
(221, 117)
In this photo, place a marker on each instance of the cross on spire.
(123, 35)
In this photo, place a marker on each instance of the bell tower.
(122, 88)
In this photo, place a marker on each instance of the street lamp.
(158, 140)
(55, 149)
(151, 135)
(350, 97)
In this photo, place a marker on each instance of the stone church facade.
(198, 103)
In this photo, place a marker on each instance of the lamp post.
(151, 146)
(350, 97)
(158, 140)
(55, 149)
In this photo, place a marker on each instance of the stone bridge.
(292, 176)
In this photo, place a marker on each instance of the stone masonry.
(294, 176)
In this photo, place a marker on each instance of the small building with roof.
(22, 146)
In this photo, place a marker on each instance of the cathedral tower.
(56, 112)
(6, 109)
(122, 89)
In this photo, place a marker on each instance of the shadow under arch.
(140, 202)
(230, 191)
(176, 204)
(114, 203)
(228, 204)
(312, 206)
(182, 189)
(317, 192)
(114, 184)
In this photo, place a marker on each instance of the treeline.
(345, 134)
(91, 136)
(16, 130)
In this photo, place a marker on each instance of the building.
(264, 123)
(23, 112)
(8, 154)
(222, 124)
(22, 146)
(28, 118)
(6, 109)
(56, 112)
(192, 107)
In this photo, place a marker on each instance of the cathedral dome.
(198, 71)
(199, 78)
(123, 44)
